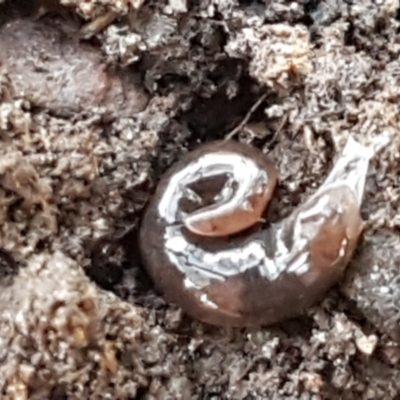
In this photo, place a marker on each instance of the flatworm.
(263, 276)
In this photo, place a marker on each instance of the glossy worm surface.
(258, 278)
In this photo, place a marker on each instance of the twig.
(278, 131)
(245, 120)
(99, 24)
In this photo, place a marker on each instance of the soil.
(97, 100)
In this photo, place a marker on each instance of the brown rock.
(52, 70)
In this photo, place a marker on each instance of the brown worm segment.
(265, 276)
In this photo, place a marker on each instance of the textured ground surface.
(97, 99)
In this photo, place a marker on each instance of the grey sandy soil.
(97, 99)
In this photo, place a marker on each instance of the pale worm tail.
(350, 169)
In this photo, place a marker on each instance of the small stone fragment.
(366, 344)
